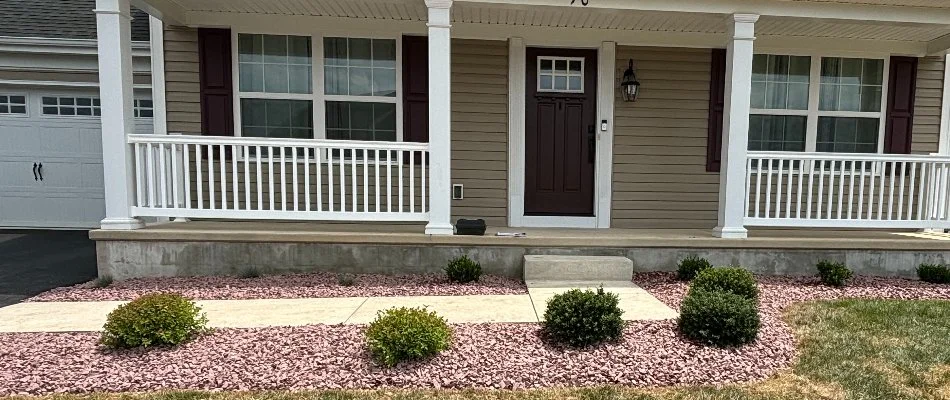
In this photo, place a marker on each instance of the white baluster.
(224, 178)
(211, 184)
(330, 177)
(293, 155)
(235, 189)
(399, 164)
(186, 164)
(150, 172)
(270, 175)
(318, 154)
(366, 180)
(389, 181)
(247, 177)
(199, 175)
(139, 171)
(306, 178)
(163, 187)
(353, 179)
(378, 189)
(176, 179)
(412, 181)
(283, 178)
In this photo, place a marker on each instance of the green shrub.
(153, 320)
(934, 273)
(463, 270)
(102, 282)
(833, 273)
(690, 267)
(733, 280)
(583, 318)
(718, 318)
(403, 334)
(346, 280)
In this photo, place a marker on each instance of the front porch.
(229, 248)
(684, 155)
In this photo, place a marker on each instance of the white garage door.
(51, 158)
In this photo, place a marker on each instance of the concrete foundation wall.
(131, 259)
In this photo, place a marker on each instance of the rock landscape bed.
(483, 355)
(293, 286)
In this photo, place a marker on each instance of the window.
(845, 116)
(71, 106)
(144, 108)
(12, 104)
(275, 84)
(358, 96)
(360, 88)
(561, 74)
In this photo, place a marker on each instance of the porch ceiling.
(514, 13)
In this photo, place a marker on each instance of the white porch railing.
(840, 190)
(279, 179)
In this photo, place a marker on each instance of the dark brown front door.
(559, 132)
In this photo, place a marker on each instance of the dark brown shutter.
(415, 88)
(217, 107)
(717, 105)
(901, 93)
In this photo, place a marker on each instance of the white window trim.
(318, 96)
(28, 106)
(554, 74)
(814, 92)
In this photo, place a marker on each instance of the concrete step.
(577, 268)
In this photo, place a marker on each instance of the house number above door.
(583, 2)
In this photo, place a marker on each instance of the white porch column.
(944, 145)
(735, 141)
(440, 118)
(115, 90)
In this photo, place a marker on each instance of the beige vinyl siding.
(927, 105)
(480, 129)
(660, 178)
(182, 87)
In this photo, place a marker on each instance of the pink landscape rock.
(483, 355)
(286, 287)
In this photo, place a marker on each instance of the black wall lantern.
(630, 86)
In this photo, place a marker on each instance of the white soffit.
(587, 18)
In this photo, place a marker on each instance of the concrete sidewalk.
(90, 316)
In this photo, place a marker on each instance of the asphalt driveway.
(32, 262)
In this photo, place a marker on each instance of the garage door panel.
(70, 149)
(16, 175)
(18, 138)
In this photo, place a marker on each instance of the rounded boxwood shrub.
(583, 318)
(833, 273)
(403, 334)
(934, 273)
(718, 318)
(153, 320)
(463, 270)
(690, 267)
(733, 280)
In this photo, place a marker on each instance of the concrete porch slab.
(637, 304)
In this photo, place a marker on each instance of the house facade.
(51, 173)
(769, 113)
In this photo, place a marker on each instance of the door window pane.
(360, 67)
(780, 82)
(559, 74)
(277, 118)
(851, 84)
(275, 64)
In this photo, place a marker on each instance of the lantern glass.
(630, 90)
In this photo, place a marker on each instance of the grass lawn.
(851, 349)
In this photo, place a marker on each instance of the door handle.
(35, 177)
(591, 144)
(41, 171)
